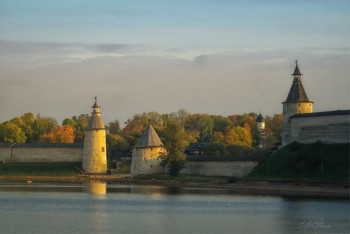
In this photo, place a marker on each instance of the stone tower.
(260, 122)
(146, 154)
(94, 152)
(297, 103)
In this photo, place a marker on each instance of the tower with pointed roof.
(94, 152)
(260, 122)
(297, 102)
(146, 154)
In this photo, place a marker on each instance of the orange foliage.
(62, 134)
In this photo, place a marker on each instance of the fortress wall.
(328, 129)
(146, 161)
(219, 168)
(41, 154)
(5, 154)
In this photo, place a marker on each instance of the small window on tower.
(103, 149)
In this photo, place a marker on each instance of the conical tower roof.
(260, 118)
(95, 122)
(149, 138)
(297, 92)
(296, 70)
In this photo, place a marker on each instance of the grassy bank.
(39, 169)
(322, 162)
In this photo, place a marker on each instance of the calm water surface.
(113, 208)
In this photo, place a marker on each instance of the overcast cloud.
(223, 83)
(215, 57)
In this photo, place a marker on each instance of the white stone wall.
(5, 154)
(94, 153)
(219, 168)
(41, 154)
(146, 160)
(328, 129)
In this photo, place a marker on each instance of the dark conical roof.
(296, 70)
(149, 138)
(297, 92)
(260, 118)
(95, 121)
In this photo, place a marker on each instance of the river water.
(117, 208)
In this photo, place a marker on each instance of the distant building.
(195, 148)
(94, 153)
(302, 125)
(260, 122)
(146, 154)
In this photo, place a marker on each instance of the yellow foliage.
(62, 134)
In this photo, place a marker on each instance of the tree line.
(224, 134)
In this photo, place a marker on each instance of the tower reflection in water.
(97, 188)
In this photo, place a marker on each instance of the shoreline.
(327, 189)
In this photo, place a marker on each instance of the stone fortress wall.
(41, 152)
(218, 168)
(327, 127)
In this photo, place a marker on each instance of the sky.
(219, 57)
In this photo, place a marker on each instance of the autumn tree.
(273, 129)
(79, 124)
(43, 125)
(63, 134)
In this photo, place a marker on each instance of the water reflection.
(99, 207)
(103, 188)
(97, 188)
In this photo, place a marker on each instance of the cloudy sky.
(217, 57)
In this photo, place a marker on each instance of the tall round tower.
(94, 152)
(297, 103)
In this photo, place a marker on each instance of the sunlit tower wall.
(146, 154)
(94, 152)
(297, 102)
(260, 122)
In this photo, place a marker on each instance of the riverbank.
(331, 189)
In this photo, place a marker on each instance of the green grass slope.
(39, 169)
(306, 162)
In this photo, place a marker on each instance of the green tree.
(11, 133)
(207, 125)
(175, 143)
(113, 127)
(71, 122)
(43, 125)
(27, 127)
(79, 123)
(181, 116)
(117, 147)
(215, 148)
